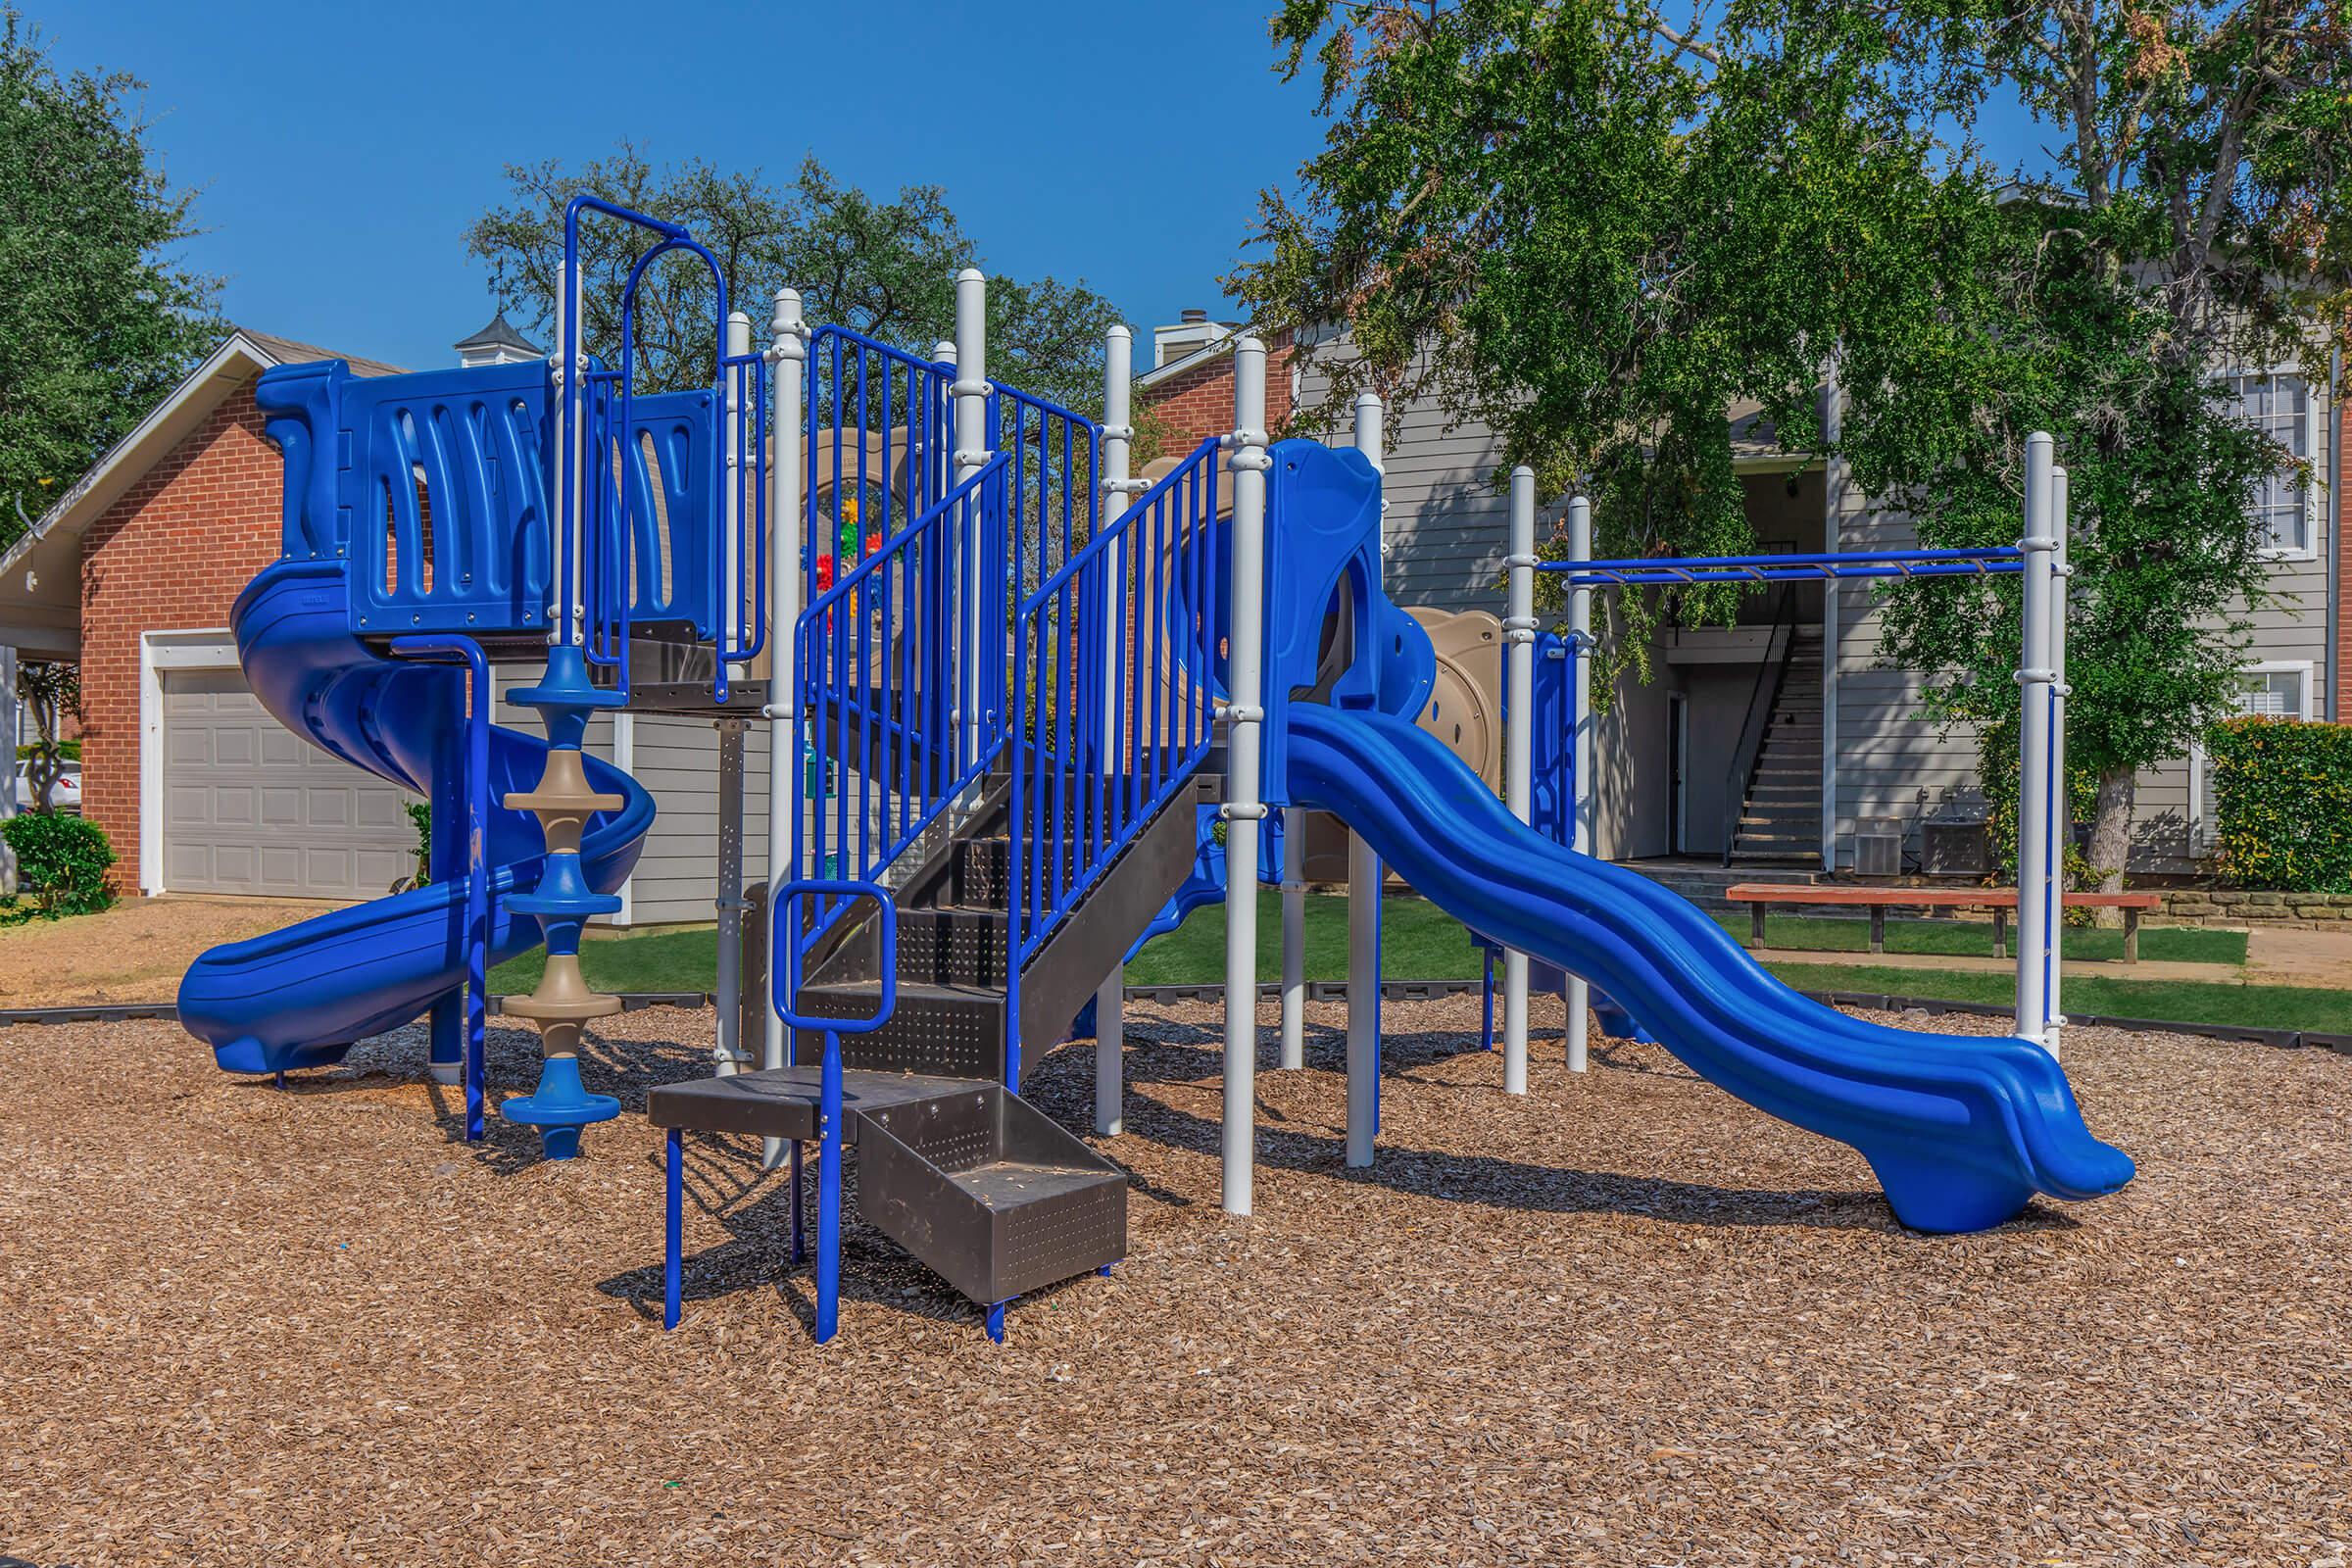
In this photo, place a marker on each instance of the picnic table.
(1759, 896)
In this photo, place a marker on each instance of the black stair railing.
(1771, 673)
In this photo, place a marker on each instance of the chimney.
(1192, 315)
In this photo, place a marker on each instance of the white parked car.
(66, 794)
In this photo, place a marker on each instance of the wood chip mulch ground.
(1622, 1320)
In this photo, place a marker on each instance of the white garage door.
(248, 807)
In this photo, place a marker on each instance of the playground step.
(952, 946)
(981, 1185)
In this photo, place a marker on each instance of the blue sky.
(341, 146)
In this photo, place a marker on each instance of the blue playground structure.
(1009, 691)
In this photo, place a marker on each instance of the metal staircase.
(1780, 812)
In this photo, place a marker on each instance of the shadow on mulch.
(721, 1171)
(1167, 1053)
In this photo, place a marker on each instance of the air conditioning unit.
(1957, 849)
(1879, 846)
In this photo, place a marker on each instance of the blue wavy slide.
(1961, 1130)
(300, 996)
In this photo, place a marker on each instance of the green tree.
(1596, 233)
(1598, 230)
(98, 319)
(883, 268)
(2193, 219)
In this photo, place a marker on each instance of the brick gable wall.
(171, 555)
(1198, 403)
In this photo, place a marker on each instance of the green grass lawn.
(2183, 944)
(683, 960)
(1421, 943)
(2250, 1007)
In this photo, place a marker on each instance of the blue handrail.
(1113, 703)
(1825, 566)
(879, 674)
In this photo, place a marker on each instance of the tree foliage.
(1601, 229)
(2192, 220)
(885, 268)
(98, 317)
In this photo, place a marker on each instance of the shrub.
(2282, 803)
(61, 862)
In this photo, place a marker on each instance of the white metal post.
(730, 1056)
(1364, 876)
(1118, 437)
(788, 354)
(2062, 816)
(1580, 755)
(8, 752)
(1518, 747)
(1244, 811)
(970, 391)
(738, 453)
(2034, 677)
(1294, 938)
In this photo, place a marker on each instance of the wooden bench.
(1758, 896)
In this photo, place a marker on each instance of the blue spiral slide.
(1961, 1130)
(298, 998)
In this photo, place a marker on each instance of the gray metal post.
(1243, 810)
(1364, 876)
(730, 1057)
(1518, 747)
(970, 392)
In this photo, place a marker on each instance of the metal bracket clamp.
(2035, 677)
(1250, 438)
(1520, 628)
(1529, 561)
(962, 388)
(1243, 811)
(1117, 432)
(2037, 541)
(1125, 487)
(1244, 714)
(970, 459)
(1255, 459)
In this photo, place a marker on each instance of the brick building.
(132, 572)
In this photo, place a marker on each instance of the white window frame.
(2315, 449)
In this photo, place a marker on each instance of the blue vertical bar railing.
(879, 665)
(1053, 505)
(878, 449)
(1114, 699)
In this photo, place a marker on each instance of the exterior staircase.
(1779, 810)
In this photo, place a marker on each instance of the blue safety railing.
(642, 534)
(879, 448)
(883, 664)
(1114, 697)
(443, 504)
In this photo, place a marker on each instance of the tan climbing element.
(1465, 702)
(564, 802)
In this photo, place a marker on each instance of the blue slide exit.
(298, 998)
(1961, 1130)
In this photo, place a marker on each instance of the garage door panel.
(250, 808)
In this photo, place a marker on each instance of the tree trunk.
(2111, 834)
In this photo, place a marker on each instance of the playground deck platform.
(1623, 1320)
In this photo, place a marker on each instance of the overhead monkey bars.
(1669, 571)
